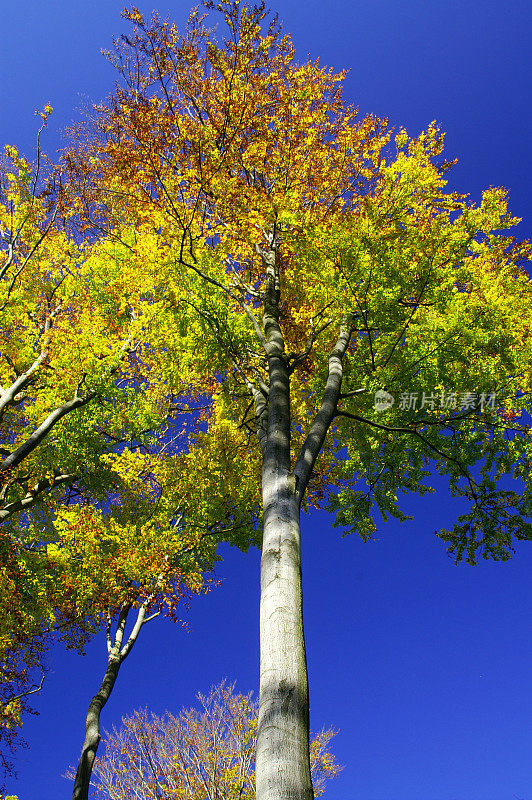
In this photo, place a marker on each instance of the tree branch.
(416, 433)
(33, 495)
(34, 440)
(318, 430)
(9, 395)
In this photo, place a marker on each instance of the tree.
(141, 556)
(64, 350)
(323, 280)
(146, 559)
(205, 753)
(130, 585)
(42, 297)
(81, 411)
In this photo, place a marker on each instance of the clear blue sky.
(423, 666)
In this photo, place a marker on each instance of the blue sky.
(422, 665)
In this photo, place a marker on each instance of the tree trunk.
(117, 654)
(283, 762)
(283, 759)
(92, 729)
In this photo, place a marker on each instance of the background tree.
(68, 342)
(205, 753)
(142, 561)
(50, 371)
(101, 510)
(310, 265)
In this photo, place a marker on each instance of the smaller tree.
(101, 512)
(201, 754)
(147, 553)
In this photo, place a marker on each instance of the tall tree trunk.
(283, 760)
(92, 728)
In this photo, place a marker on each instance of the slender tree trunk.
(117, 654)
(92, 729)
(283, 763)
(283, 760)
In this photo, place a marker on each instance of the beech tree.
(61, 351)
(141, 561)
(102, 513)
(362, 324)
(202, 753)
(68, 351)
(48, 372)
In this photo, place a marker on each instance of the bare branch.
(32, 690)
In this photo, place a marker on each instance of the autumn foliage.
(100, 503)
(205, 752)
(200, 315)
(216, 149)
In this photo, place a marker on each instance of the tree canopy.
(228, 154)
(349, 325)
(324, 280)
(101, 509)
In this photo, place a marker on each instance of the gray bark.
(34, 440)
(92, 720)
(318, 430)
(117, 654)
(34, 494)
(283, 760)
(92, 730)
